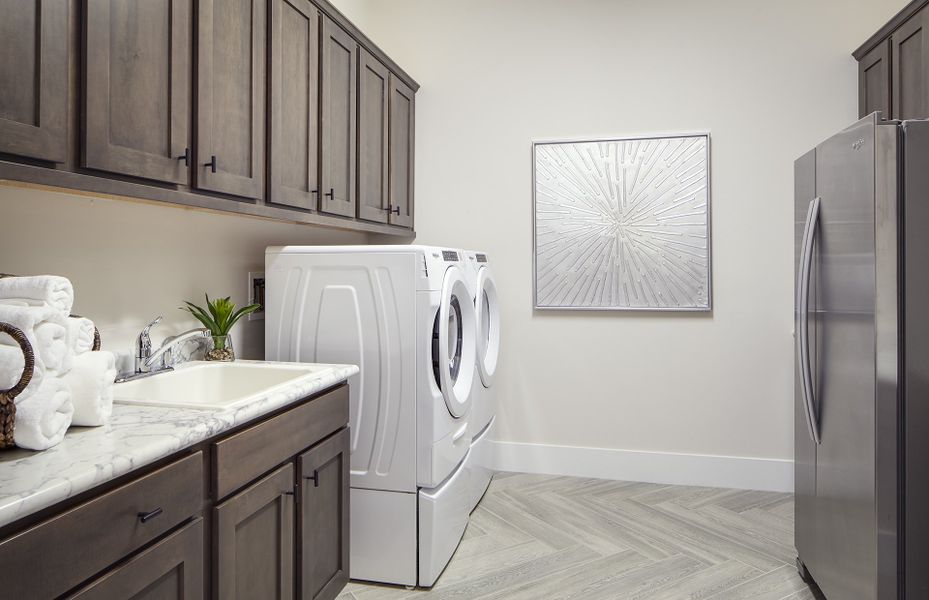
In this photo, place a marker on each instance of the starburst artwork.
(623, 224)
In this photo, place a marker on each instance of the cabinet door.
(293, 165)
(324, 512)
(137, 88)
(339, 52)
(402, 112)
(373, 94)
(874, 81)
(171, 569)
(231, 97)
(34, 71)
(254, 539)
(910, 60)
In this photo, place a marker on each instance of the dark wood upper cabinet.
(254, 539)
(324, 518)
(172, 569)
(893, 66)
(137, 103)
(339, 63)
(34, 48)
(401, 140)
(293, 165)
(373, 95)
(231, 89)
(909, 61)
(874, 81)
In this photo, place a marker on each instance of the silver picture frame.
(622, 223)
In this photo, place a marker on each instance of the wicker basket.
(8, 397)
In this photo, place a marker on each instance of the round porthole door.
(487, 314)
(454, 348)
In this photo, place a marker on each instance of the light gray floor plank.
(563, 538)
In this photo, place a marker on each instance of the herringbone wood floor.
(559, 538)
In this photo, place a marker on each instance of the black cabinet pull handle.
(288, 493)
(330, 193)
(393, 209)
(315, 478)
(211, 164)
(315, 192)
(185, 157)
(145, 517)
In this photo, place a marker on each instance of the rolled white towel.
(80, 334)
(47, 332)
(91, 382)
(43, 418)
(11, 368)
(50, 290)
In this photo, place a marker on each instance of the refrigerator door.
(842, 514)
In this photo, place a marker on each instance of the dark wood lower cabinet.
(324, 507)
(171, 569)
(254, 532)
(217, 519)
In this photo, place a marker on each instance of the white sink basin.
(215, 385)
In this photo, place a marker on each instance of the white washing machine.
(481, 424)
(405, 316)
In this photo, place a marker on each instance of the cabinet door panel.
(255, 539)
(874, 81)
(34, 71)
(172, 569)
(324, 513)
(137, 88)
(293, 165)
(910, 60)
(402, 116)
(231, 96)
(373, 94)
(339, 52)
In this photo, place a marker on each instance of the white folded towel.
(11, 369)
(43, 418)
(50, 290)
(47, 332)
(80, 334)
(91, 382)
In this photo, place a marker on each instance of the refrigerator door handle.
(802, 316)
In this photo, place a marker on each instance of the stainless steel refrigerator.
(862, 350)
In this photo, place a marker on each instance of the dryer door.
(454, 348)
(487, 314)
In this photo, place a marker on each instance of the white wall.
(767, 79)
(132, 261)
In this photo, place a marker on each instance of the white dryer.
(481, 425)
(404, 315)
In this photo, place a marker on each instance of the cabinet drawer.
(172, 568)
(244, 456)
(49, 559)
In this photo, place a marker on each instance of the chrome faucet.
(148, 362)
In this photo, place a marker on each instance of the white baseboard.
(775, 475)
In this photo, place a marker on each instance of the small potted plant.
(219, 316)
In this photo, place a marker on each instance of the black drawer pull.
(288, 493)
(330, 193)
(211, 164)
(393, 209)
(315, 478)
(148, 516)
(185, 157)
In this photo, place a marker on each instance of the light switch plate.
(256, 294)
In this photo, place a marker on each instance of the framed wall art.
(622, 224)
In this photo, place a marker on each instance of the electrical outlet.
(256, 294)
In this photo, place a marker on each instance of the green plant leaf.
(220, 314)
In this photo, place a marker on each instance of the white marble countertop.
(134, 437)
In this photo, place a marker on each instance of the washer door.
(487, 313)
(454, 349)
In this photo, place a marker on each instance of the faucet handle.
(144, 345)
